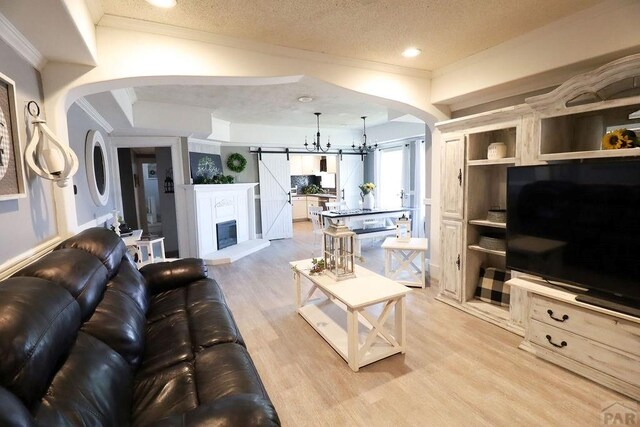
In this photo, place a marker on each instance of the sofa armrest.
(164, 276)
(245, 410)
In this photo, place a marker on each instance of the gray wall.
(249, 174)
(79, 124)
(28, 221)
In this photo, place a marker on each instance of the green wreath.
(236, 162)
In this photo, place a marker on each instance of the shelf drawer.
(615, 363)
(614, 332)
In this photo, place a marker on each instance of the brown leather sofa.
(87, 339)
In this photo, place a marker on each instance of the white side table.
(406, 254)
(148, 246)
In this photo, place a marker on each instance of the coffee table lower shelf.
(330, 320)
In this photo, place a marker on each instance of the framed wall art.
(11, 173)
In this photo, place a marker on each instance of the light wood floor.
(458, 370)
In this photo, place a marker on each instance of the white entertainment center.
(565, 124)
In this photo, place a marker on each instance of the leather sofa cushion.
(171, 391)
(100, 242)
(226, 370)
(204, 290)
(129, 281)
(79, 272)
(92, 388)
(12, 412)
(168, 342)
(167, 304)
(212, 323)
(119, 323)
(39, 321)
(240, 410)
(163, 276)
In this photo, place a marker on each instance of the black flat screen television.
(578, 223)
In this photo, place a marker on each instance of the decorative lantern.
(168, 181)
(403, 229)
(339, 257)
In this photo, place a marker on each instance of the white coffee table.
(406, 254)
(361, 338)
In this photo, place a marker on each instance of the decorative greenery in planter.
(236, 162)
(217, 179)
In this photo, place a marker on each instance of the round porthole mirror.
(97, 167)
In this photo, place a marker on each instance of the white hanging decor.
(45, 155)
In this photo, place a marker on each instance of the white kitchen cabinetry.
(310, 165)
(295, 161)
(299, 207)
(331, 164)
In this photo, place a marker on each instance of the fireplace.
(226, 233)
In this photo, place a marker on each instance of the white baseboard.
(18, 262)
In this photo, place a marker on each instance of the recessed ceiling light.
(411, 52)
(305, 99)
(166, 4)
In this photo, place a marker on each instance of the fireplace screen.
(227, 234)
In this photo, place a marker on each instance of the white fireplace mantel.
(210, 204)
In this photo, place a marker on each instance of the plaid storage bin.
(491, 286)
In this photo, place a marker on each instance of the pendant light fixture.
(316, 145)
(364, 148)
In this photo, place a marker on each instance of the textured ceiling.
(374, 30)
(276, 105)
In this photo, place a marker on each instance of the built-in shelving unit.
(488, 251)
(488, 162)
(566, 124)
(485, 223)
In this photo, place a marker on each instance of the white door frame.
(178, 175)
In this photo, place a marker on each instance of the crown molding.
(93, 113)
(131, 24)
(18, 42)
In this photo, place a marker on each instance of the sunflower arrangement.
(620, 138)
(367, 187)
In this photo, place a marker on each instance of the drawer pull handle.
(564, 316)
(562, 344)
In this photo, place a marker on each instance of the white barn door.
(275, 196)
(351, 175)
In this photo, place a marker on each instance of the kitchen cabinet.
(299, 207)
(295, 162)
(310, 165)
(331, 164)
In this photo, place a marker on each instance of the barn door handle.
(342, 194)
(458, 262)
(289, 194)
(460, 177)
(564, 317)
(562, 344)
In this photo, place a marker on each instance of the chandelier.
(316, 145)
(364, 148)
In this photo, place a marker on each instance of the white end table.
(148, 246)
(406, 254)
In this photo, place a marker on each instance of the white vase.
(369, 201)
